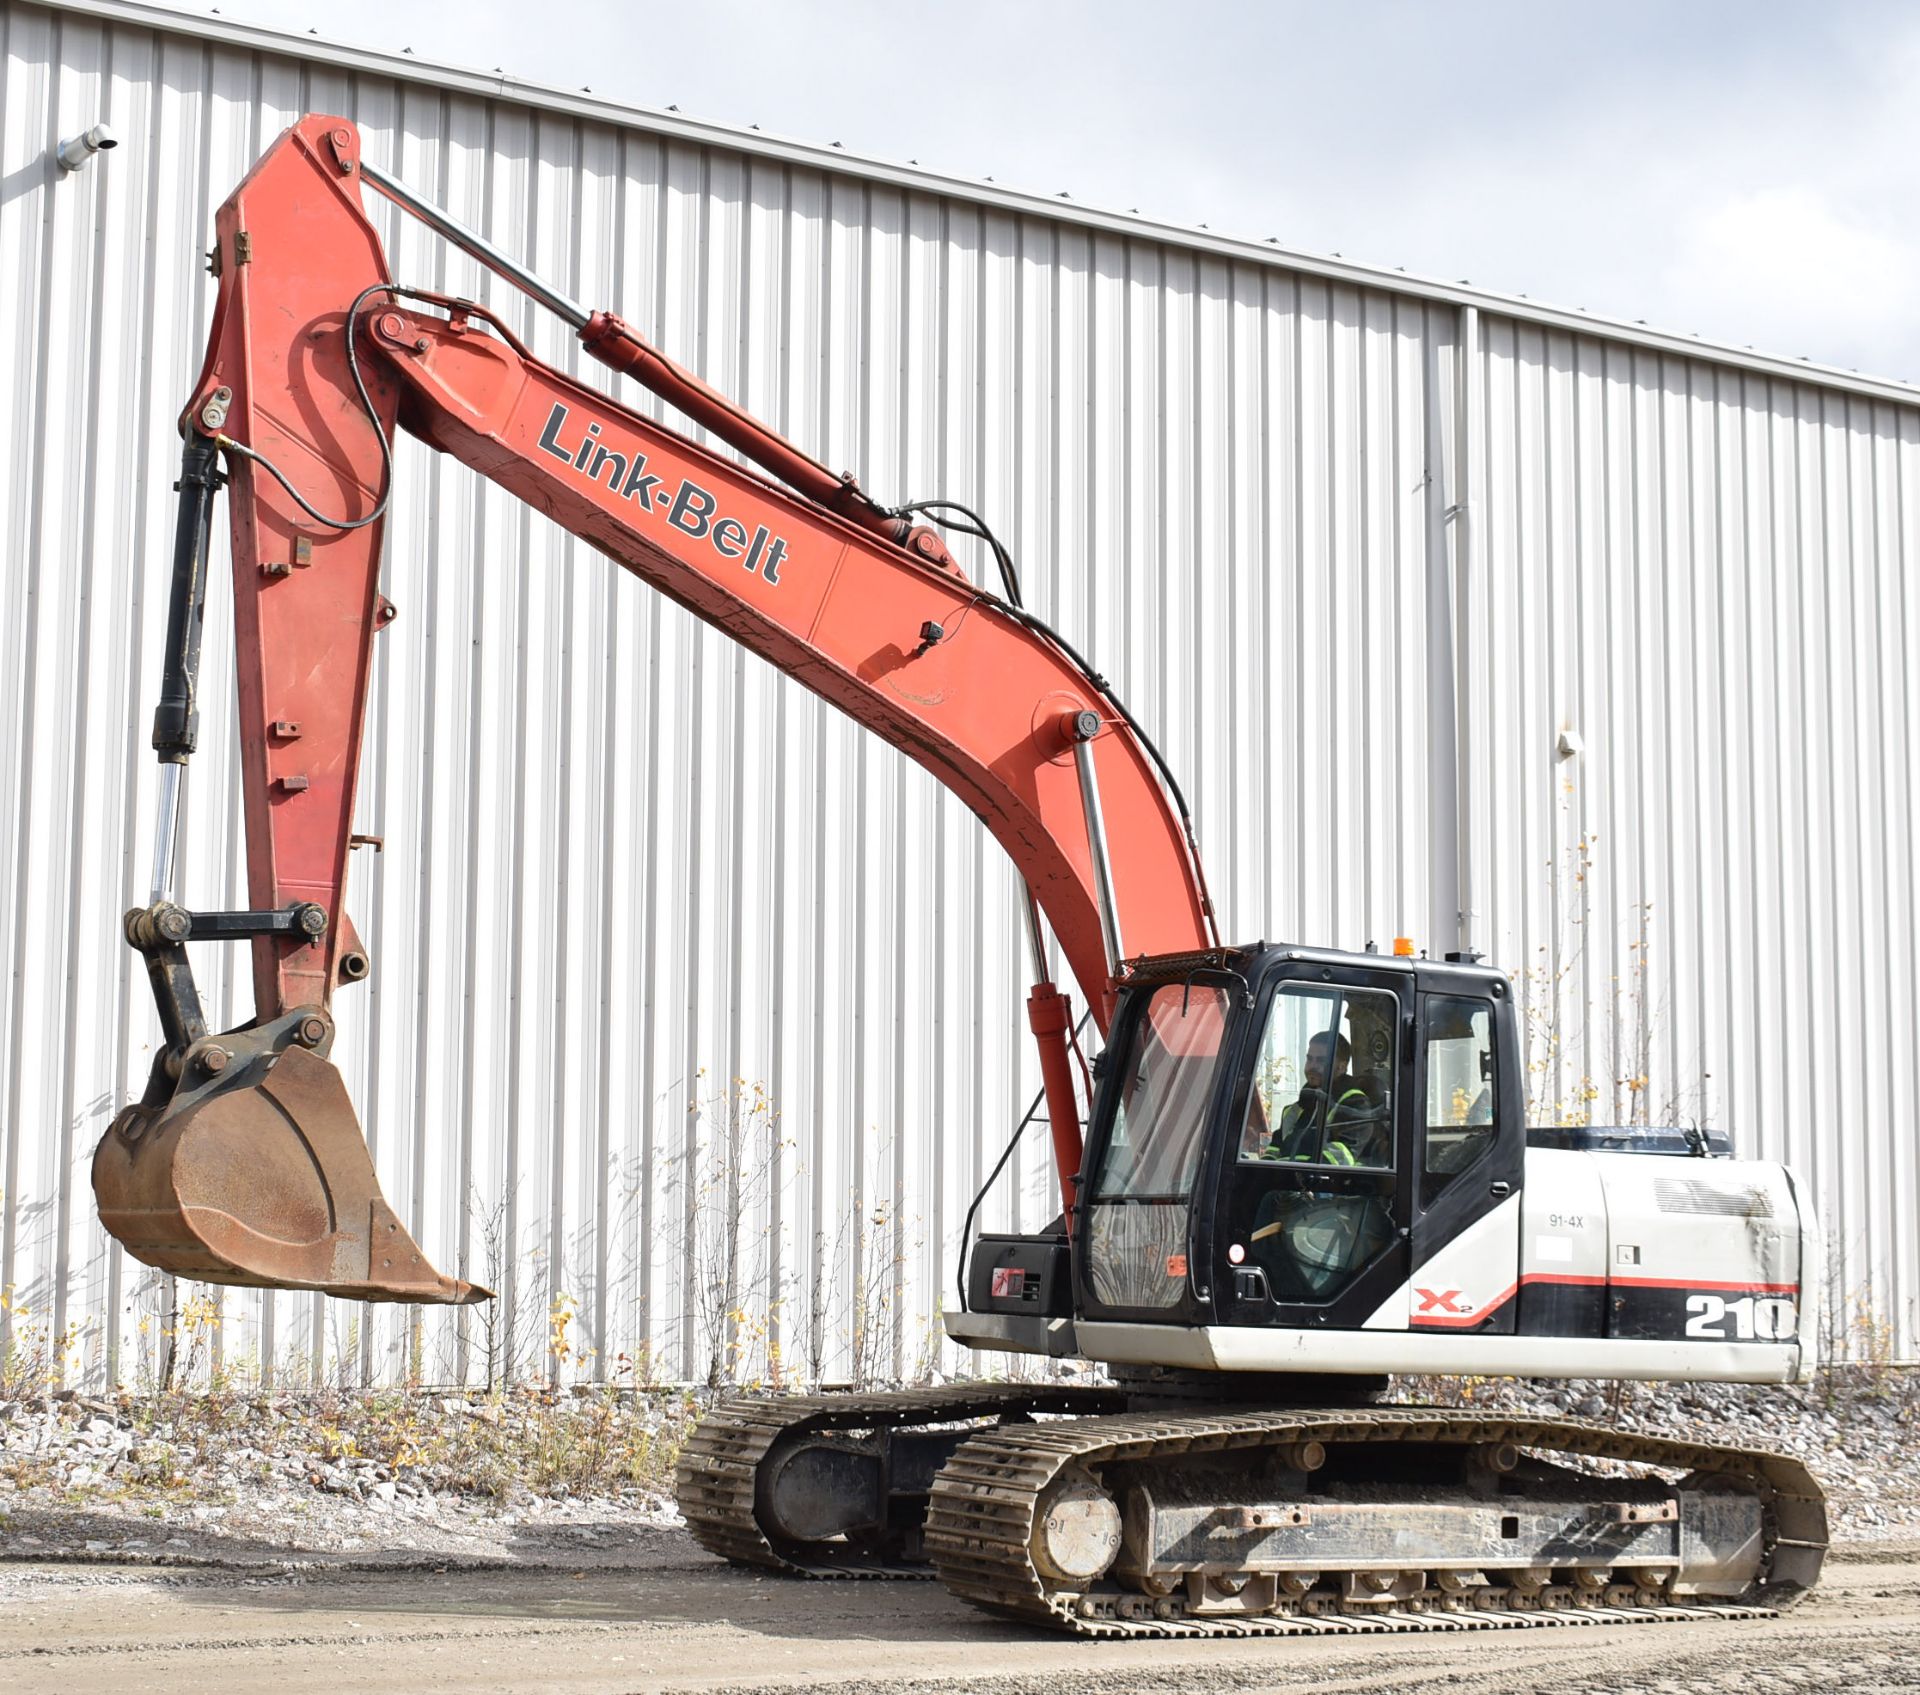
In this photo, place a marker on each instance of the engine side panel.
(1701, 1250)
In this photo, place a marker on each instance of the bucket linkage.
(244, 1162)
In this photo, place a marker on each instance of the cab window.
(1167, 1071)
(1461, 1093)
(1323, 1081)
(1140, 1202)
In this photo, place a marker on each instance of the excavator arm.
(244, 1163)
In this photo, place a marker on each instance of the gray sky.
(1746, 171)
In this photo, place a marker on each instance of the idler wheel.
(1076, 1531)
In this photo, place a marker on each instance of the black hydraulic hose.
(1100, 683)
(373, 417)
(1000, 1165)
(176, 719)
(1015, 609)
(973, 1212)
(975, 526)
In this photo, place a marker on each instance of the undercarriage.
(1083, 1511)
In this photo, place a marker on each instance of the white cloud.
(1779, 260)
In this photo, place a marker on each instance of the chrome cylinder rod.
(166, 835)
(468, 241)
(1037, 941)
(1086, 726)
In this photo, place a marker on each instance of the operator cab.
(1279, 1136)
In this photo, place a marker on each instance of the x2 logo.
(1444, 1300)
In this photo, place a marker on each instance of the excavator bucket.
(256, 1173)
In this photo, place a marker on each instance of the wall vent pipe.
(76, 150)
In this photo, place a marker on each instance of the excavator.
(1289, 1174)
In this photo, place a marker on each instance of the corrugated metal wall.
(1707, 574)
(641, 902)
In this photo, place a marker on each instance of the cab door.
(1467, 1157)
(1311, 1204)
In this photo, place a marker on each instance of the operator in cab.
(1334, 1121)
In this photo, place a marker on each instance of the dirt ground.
(653, 1612)
(241, 1544)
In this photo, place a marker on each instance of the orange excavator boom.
(244, 1162)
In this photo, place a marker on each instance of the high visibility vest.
(1334, 1153)
(1353, 1099)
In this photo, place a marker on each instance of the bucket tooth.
(256, 1173)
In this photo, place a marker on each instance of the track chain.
(980, 1519)
(981, 1514)
(714, 1479)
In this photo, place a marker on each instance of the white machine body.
(1603, 1265)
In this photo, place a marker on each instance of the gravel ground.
(184, 1548)
(524, 1476)
(696, 1624)
(567, 1481)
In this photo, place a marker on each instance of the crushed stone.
(273, 1479)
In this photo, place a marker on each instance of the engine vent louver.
(1707, 1200)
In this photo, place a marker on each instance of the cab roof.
(1259, 959)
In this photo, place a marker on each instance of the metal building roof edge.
(918, 179)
